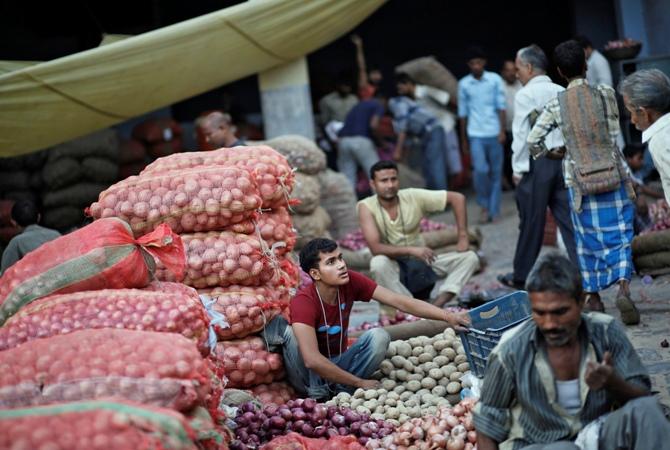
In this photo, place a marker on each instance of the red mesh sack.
(187, 200)
(157, 130)
(160, 369)
(247, 363)
(130, 309)
(270, 169)
(103, 424)
(294, 441)
(278, 393)
(224, 258)
(245, 310)
(274, 227)
(102, 255)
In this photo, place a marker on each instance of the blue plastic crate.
(489, 322)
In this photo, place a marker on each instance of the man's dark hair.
(382, 165)
(584, 41)
(24, 213)
(570, 58)
(475, 52)
(404, 78)
(309, 255)
(554, 272)
(631, 150)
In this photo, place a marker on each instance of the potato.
(392, 350)
(460, 358)
(379, 410)
(428, 383)
(370, 404)
(435, 374)
(398, 361)
(430, 350)
(381, 391)
(425, 357)
(415, 411)
(414, 360)
(432, 410)
(331, 403)
(381, 399)
(460, 350)
(456, 376)
(399, 389)
(378, 375)
(454, 398)
(429, 365)
(370, 394)
(386, 367)
(403, 349)
(392, 413)
(440, 361)
(359, 393)
(345, 404)
(449, 353)
(393, 395)
(420, 371)
(454, 387)
(393, 375)
(363, 410)
(414, 377)
(440, 345)
(408, 366)
(401, 375)
(406, 396)
(449, 369)
(343, 397)
(411, 402)
(416, 351)
(450, 332)
(439, 391)
(425, 340)
(444, 381)
(413, 385)
(391, 402)
(388, 384)
(414, 342)
(463, 367)
(355, 403)
(377, 416)
(403, 418)
(421, 392)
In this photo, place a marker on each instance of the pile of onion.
(305, 417)
(451, 428)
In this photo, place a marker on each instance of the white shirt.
(510, 93)
(598, 70)
(436, 100)
(658, 136)
(532, 97)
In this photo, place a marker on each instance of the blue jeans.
(361, 359)
(434, 164)
(487, 162)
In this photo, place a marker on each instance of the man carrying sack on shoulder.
(598, 180)
(402, 262)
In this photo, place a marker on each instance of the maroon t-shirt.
(306, 308)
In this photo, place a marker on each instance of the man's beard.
(557, 337)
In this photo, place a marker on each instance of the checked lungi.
(603, 235)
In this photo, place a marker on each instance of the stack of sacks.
(20, 177)
(651, 253)
(74, 174)
(162, 137)
(132, 158)
(84, 329)
(310, 219)
(230, 208)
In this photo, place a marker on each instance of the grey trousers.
(639, 425)
(355, 151)
(540, 188)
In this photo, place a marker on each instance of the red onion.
(307, 430)
(299, 414)
(338, 420)
(365, 430)
(277, 422)
(285, 413)
(343, 431)
(319, 413)
(351, 416)
(308, 404)
(332, 432)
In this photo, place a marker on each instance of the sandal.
(593, 303)
(508, 280)
(629, 313)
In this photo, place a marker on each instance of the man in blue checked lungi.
(597, 178)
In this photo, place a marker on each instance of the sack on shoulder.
(417, 276)
(597, 178)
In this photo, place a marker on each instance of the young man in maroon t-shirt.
(317, 360)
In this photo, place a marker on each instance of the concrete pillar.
(286, 100)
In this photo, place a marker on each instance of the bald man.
(219, 130)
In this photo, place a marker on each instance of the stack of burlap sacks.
(326, 201)
(651, 253)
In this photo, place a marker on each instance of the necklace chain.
(325, 319)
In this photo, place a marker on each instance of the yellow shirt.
(414, 205)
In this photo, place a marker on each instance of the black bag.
(417, 276)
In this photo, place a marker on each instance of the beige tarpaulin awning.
(55, 101)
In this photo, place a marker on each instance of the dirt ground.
(653, 300)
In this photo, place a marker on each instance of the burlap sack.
(63, 218)
(308, 191)
(100, 170)
(310, 226)
(653, 261)
(339, 200)
(78, 195)
(104, 143)
(429, 71)
(651, 243)
(302, 153)
(61, 172)
(15, 180)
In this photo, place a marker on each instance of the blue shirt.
(410, 117)
(479, 101)
(357, 122)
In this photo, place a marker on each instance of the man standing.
(368, 80)
(24, 214)
(321, 363)
(412, 119)
(336, 105)
(565, 375)
(512, 86)
(597, 67)
(390, 223)
(219, 130)
(481, 110)
(355, 140)
(597, 177)
(646, 95)
(540, 183)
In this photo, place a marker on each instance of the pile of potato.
(419, 376)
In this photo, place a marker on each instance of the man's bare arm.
(486, 443)
(465, 144)
(457, 202)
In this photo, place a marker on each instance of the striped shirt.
(410, 117)
(551, 119)
(519, 405)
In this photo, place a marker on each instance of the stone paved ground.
(653, 300)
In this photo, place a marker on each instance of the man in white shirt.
(646, 95)
(539, 182)
(598, 69)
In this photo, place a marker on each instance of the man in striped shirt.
(566, 380)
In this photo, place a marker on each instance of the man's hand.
(368, 384)
(458, 320)
(598, 375)
(463, 243)
(356, 39)
(423, 253)
(556, 153)
(502, 137)
(516, 179)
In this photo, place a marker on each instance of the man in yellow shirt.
(390, 223)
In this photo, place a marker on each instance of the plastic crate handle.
(490, 313)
